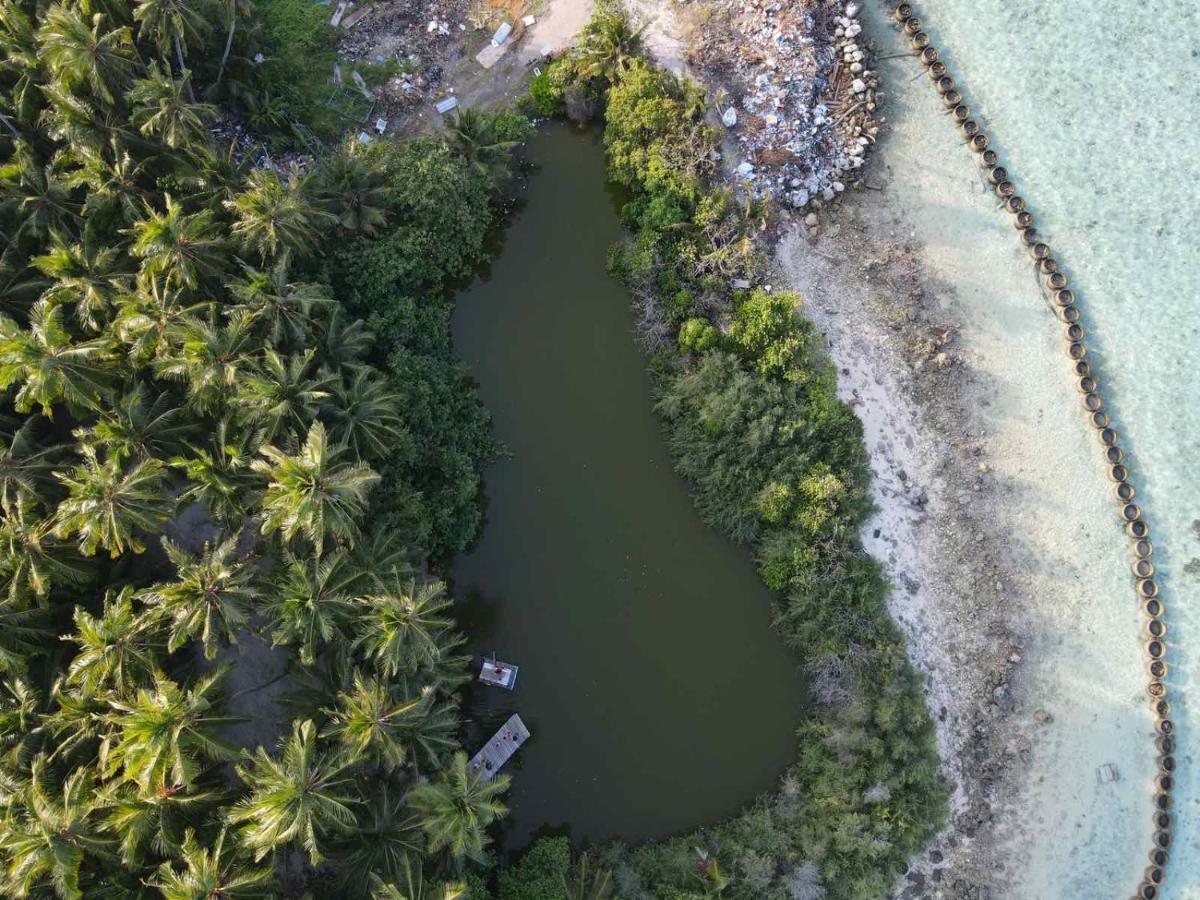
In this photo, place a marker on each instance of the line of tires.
(1089, 388)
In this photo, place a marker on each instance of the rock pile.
(796, 93)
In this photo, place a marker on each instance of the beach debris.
(502, 34)
(796, 73)
(1107, 774)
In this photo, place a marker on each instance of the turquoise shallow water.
(1095, 109)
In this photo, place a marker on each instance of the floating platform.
(498, 674)
(500, 749)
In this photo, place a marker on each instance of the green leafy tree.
(314, 493)
(302, 799)
(609, 43)
(170, 24)
(211, 598)
(457, 809)
(110, 506)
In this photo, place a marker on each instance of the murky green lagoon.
(657, 696)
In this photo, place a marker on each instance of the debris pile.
(796, 93)
(413, 37)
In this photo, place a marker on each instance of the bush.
(698, 335)
(538, 874)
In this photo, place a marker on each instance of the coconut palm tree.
(162, 108)
(183, 249)
(52, 368)
(116, 180)
(457, 809)
(272, 218)
(24, 634)
(117, 649)
(32, 560)
(80, 53)
(311, 601)
(363, 414)
(211, 599)
(584, 882)
(403, 630)
(386, 838)
(284, 311)
(157, 822)
(231, 11)
(108, 505)
(148, 317)
(413, 886)
(25, 465)
(36, 196)
(609, 42)
(19, 61)
(48, 831)
(220, 873)
(171, 24)
(303, 798)
(434, 736)
(219, 476)
(210, 358)
(353, 190)
(138, 425)
(473, 136)
(280, 397)
(371, 721)
(343, 341)
(315, 493)
(164, 734)
(86, 276)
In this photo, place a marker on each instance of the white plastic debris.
(529, 21)
(444, 106)
(501, 34)
(745, 169)
(381, 125)
(729, 117)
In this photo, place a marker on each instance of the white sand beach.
(995, 519)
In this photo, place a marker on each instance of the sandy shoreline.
(993, 522)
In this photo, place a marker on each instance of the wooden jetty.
(500, 748)
(498, 674)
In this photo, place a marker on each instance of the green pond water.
(657, 695)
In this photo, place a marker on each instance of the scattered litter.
(490, 55)
(529, 21)
(741, 284)
(364, 138)
(381, 125)
(729, 117)
(338, 13)
(357, 16)
(444, 106)
(1107, 774)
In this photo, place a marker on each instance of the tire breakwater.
(1088, 383)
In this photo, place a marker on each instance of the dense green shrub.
(539, 873)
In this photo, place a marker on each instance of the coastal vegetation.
(230, 418)
(776, 462)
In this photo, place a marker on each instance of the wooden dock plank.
(500, 747)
